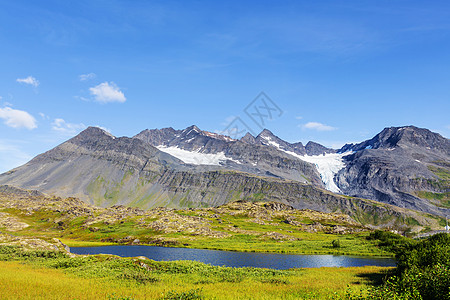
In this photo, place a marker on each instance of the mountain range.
(402, 171)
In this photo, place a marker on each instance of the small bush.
(336, 243)
(67, 263)
(188, 295)
(275, 281)
(139, 277)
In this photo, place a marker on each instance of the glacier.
(328, 165)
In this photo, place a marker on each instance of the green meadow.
(54, 275)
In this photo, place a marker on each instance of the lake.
(238, 259)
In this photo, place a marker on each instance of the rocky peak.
(266, 134)
(191, 129)
(419, 137)
(91, 135)
(403, 137)
(248, 138)
(266, 137)
(157, 137)
(216, 136)
(313, 148)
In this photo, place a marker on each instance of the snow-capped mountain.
(198, 147)
(327, 162)
(405, 166)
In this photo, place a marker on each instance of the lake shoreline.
(237, 259)
(78, 244)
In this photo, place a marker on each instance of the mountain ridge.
(399, 166)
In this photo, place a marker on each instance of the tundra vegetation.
(422, 273)
(34, 263)
(237, 226)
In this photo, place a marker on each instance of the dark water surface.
(239, 259)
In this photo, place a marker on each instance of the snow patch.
(276, 145)
(271, 142)
(196, 157)
(328, 165)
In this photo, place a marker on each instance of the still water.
(239, 259)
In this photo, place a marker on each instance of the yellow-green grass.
(308, 243)
(249, 237)
(78, 243)
(244, 234)
(440, 199)
(24, 281)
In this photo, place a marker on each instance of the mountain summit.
(407, 166)
(404, 137)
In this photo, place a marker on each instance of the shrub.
(336, 243)
(423, 272)
(188, 295)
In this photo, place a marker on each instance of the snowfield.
(328, 165)
(195, 157)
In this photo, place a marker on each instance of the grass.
(76, 243)
(442, 173)
(45, 276)
(311, 243)
(442, 199)
(250, 237)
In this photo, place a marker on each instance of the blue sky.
(340, 71)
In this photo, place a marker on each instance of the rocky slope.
(106, 170)
(198, 147)
(267, 138)
(402, 166)
(73, 218)
(405, 166)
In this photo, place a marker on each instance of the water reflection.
(238, 259)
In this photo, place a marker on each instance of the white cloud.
(107, 92)
(104, 128)
(84, 77)
(82, 98)
(17, 118)
(318, 126)
(29, 80)
(65, 128)
(228, 120)
(44, 116)
(299, 117)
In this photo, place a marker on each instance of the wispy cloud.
(11, 155)
(17, 118)
(317, 126)
(29, 80)
(44, 116)
(107, 92)
(299, 117)
(61, 126)
(89, 76)
(104, 128)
